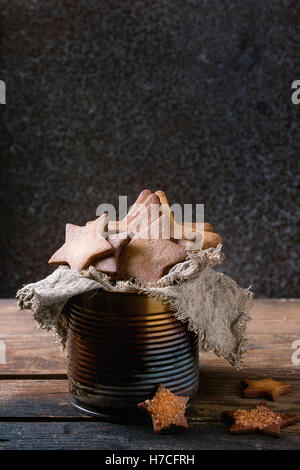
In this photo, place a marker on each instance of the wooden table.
(35, 412)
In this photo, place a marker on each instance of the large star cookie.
(258, 420)
(264, 388)
(148, 260)
(83, 245)
(166, 409)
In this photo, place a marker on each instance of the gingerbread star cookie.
(140, 204)
(145, 215)
(110, 265)
(210, 240)
(264, 388)
(165, 409)
(158, 230)
(148, 260)
(198, 226)
(258, 420)
(193, 236)
(83, 245)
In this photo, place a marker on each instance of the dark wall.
(108, 98)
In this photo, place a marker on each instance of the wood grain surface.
(34, 405)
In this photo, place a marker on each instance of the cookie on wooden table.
(258, 420)
(166, 409)
(264, 388)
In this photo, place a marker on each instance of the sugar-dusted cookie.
(264, 388)
(110, 265)
(148, 260)
(258, 420)
(83, 245)
(166, 409)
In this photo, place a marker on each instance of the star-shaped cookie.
(264, 388)
(158, 230)
(258, 420)
(142, 202)
(110, 265)
(148, 260)
(166, 409)
(146, 214)
(210, 240)
(193, 236)
(83, 245)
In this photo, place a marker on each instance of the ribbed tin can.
(120, 346)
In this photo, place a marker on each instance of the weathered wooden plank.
(95, 435)
(266, 352)
(35, 399)
(275, 326)
(27, 354)
(276, 307)
(49, 399)
(28, 350)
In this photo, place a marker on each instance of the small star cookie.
(165, 409)
(264, 388)
(258, 420)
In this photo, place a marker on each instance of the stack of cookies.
(142, 246)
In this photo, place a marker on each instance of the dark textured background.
(193, 97)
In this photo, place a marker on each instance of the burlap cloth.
(212, 304)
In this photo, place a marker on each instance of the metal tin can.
(120, 346)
